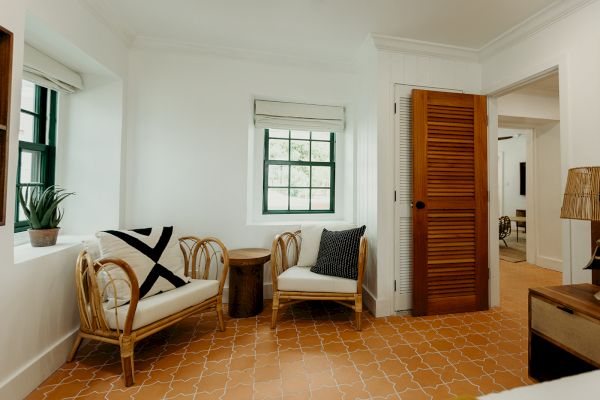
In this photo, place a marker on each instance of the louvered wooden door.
(449, 203)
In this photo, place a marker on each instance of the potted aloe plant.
(42, 212)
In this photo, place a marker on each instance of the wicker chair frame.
(203, 259)
(284, 254)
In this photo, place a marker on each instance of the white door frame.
(559, 65)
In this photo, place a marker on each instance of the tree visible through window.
(37, 143)
(299, 172)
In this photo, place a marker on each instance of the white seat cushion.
(154, 308)
(301, 279)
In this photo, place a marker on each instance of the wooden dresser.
(564, 331)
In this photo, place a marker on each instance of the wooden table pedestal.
(246, 281)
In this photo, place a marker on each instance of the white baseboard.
(378, 307)
(549, 262)
(27, 378)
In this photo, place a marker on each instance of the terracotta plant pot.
(43, 237)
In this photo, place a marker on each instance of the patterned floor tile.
(315, 353)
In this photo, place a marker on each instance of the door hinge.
(394, 107)
(395, 196)
(394, 285)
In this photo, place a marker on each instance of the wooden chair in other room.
(504, 228)
(521, 213)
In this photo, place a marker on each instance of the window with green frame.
(299, 172)
(37, 143)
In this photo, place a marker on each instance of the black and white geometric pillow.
(338, 253)
(153, 254)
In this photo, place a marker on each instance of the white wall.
(571, 45)
(366, 164)
(548, 197)
(189, 140)
(37, 299)
(515, 152)
(530, 106)
(89, 154)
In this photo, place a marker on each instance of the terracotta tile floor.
(316, 354)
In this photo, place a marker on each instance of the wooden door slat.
(450, 176)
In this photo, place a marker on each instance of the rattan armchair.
(205, 259)
(284, 255)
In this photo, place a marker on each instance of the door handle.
(565, 309)
(420, 205)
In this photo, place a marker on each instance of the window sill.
(298, 222)
(25, 252)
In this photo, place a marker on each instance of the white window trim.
(254, 213)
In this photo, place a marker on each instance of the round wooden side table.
(246, 281)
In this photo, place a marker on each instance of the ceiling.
(332, 29)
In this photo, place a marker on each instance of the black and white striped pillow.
(338, 253)
(152, 253)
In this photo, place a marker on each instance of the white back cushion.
(311, 239)
(92, 247)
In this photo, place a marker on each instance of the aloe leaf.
(34, 221)
(51, 209)
(41, 206)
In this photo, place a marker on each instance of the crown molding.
(540, 21)
(317, 62)
(545, 18)
(111, 19)
(404, 45)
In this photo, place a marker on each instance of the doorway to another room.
(513, 146)
(529, 188)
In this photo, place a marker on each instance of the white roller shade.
(309, 117)
(47, 72)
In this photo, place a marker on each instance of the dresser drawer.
(571, 330)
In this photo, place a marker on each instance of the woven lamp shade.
(582, 194)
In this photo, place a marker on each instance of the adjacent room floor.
(516, 251)
(315, 353)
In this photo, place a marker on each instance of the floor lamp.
(582, 201)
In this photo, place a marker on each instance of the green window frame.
(296, 167)
(39, 152)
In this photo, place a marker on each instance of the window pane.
(279, 133)
(300, 150)
(300, 135)
(278, 175)
(28, 96)
(321, 136)
(321, 176)
(22, 216)
(300, 175)
(278, 149)
(320, 151)
(277, 199)
(320, 199)
(26, 129)
(31, 166)
(299, 199)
